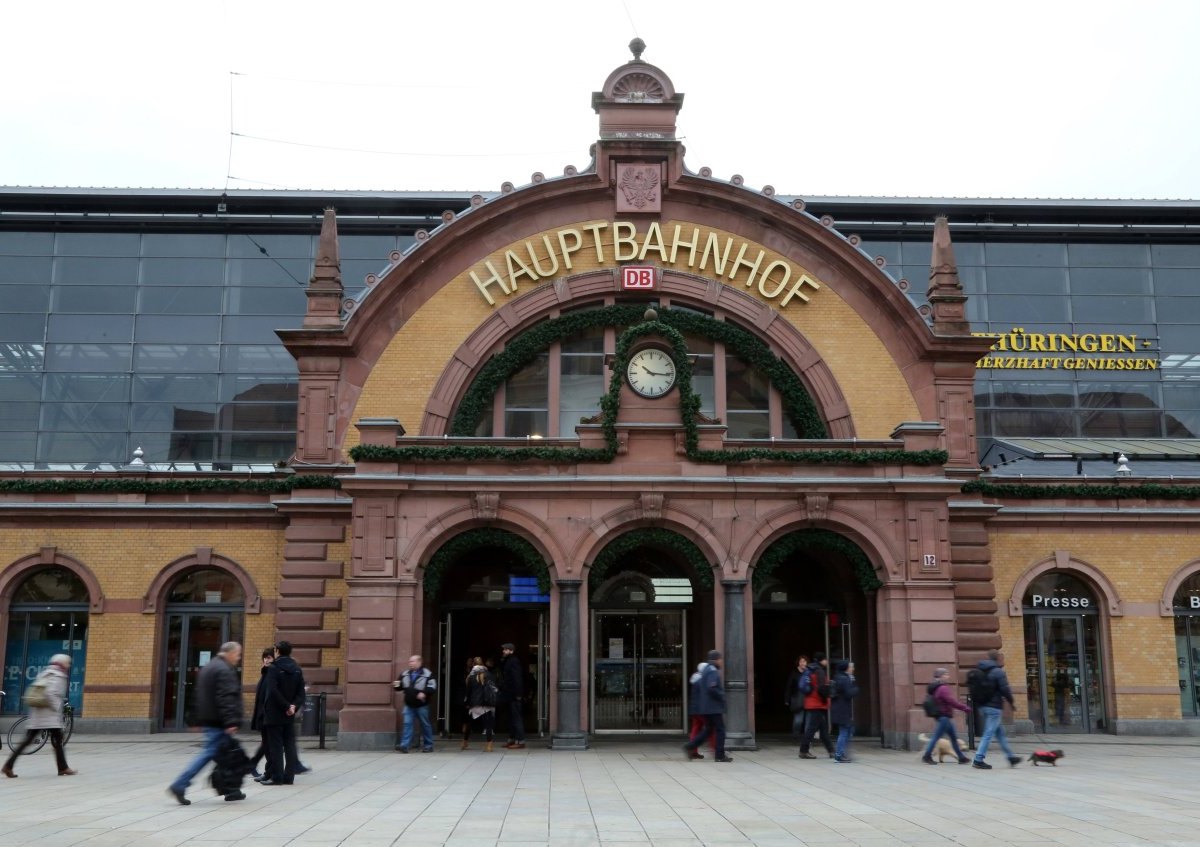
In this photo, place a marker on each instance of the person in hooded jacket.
(709, 693)
(844, 689)
(480, 715)
(284, 698)
(993, 670)
(793, 697)
(943, 694)
(55, 677)
(816, 708)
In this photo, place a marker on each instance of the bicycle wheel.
(16, 734)
(68, 727)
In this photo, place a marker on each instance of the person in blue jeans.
(418, 686)
(943, 694)
(844, 689)
(219, 712)
(990, 702)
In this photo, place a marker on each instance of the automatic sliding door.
(638, 672)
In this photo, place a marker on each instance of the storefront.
(1064, 659)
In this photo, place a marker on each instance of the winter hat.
(62, 660)
(714, 654)
(507, 645)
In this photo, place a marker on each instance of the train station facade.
(617, 417)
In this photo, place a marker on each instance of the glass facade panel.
(90, 270)
(1022, 280)
(183, 272)
(88, 358)
(32, 271)
(184, 358)
(256, 330)
(1016, 311)
(1121, 281)
(21, 327)
(177, 329)
(1112, 309)
(1181, 281)
(184, 244)
(1028, 255)
(266, 301)
(175, 300)
(106, 388)
(101, 329)
(93, 299)
(24, 298)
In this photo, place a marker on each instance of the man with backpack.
(814, 684)
(709, 694)
(989, 689)
(794, 694)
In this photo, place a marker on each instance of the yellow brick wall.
(401, 382)
(1138, 564)
(121, 646)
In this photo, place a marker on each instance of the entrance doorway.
(809, 602)
(205, 609)
(469, 632)
(1063, 656)
(48, 615)
(639, 671)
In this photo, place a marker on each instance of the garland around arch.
(473, 539)
(821, 539)
(655, 537)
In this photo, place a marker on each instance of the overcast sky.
(974, 99)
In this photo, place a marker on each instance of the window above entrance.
(1060, 592)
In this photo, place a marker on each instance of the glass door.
(1069, 683)
(1187, 648)
(193, 639)
(638, 672)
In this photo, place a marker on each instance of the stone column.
(737, 689)
(568, 735)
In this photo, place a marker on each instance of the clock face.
(651, 372)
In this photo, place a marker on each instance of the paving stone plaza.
(1106, 791)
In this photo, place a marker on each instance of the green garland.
(117, 485)
(797, 404)
(820, 539)
(473, 539)
(1108, 491)
(670, 326)
(666, 539)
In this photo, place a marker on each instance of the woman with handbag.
(480, 701)
(45, 698)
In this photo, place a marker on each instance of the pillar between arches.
(738, 735)
(916, 632)
(568, 734)
(378, 629)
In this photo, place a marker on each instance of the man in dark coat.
(841, 707)
(284, 700)
(992, 710)
(709, 693)
(219, 712)
(512, 690)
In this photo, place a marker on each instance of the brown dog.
(943, 749)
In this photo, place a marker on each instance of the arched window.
(205, 608)
(548, 397)
(48, 615)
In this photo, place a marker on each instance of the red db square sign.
(638, 277)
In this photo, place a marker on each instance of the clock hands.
(653, 373)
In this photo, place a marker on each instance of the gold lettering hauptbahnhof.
(1020, 341)
(607, 243)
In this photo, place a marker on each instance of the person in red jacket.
(816, 707)
(943, 695)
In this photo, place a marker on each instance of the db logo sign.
(638, 278)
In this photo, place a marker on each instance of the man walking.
(219, 712)
(284, 700)
(841, 709)
(816, 707)
(418, 686)
(512, 689)
(709, 692)
(989, 690)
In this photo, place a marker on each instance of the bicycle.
(16, 732)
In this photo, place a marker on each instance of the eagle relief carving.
(638, 188)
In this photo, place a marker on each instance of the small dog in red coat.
(1046, 757)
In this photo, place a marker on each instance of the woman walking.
(480, 701)
(943, 695)
(53, 680)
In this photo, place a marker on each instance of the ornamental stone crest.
(814, 507)
(485, 505)
(638, 188)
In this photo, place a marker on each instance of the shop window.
(1063, 655)
(48, 615)
(1187, 644)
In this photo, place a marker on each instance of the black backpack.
(230, 765)
(931, 707)
(982, 687)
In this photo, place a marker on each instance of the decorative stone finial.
(138, 453)
(650, 315)
(637, 47)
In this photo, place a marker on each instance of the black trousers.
(56, 741)
(713, 724)
(516, 720)
(281, 752)
(816, 723)
(485, 723)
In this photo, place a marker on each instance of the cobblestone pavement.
(1111, 791)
